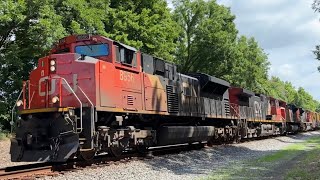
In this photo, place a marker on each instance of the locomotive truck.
(94, 95)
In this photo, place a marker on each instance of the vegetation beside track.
(308, 166)
(296, 161)
(4, 135)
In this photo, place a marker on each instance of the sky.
(288, 31)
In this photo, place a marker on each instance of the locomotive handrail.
(234, 109)
(92, 107)
(76, 98)
(12, 110)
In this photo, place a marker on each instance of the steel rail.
(20, 172)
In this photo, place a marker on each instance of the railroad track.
(31, 171)
(26, 171)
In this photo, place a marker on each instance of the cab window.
(93, 50)
(126, 56)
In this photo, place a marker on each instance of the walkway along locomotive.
(93, 95)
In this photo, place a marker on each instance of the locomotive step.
(86, 150)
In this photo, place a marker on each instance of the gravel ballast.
(5, 156)
(190, 164)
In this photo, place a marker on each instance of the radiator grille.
(130, 100)
(227, 107)
(173, 100)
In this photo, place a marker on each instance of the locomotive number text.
(126, 76)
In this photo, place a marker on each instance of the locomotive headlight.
(55, 99)
(19, 103)
(52, 68)
(52, 62)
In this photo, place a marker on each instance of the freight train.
(94, 95)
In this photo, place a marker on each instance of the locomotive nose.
(44, 139)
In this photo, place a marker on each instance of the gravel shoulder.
(5, 156)
(218, 162)
(299, 160)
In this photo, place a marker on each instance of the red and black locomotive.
(94, 95)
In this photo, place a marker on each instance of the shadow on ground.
(231, 161)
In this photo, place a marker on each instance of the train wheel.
(87, 155)
(115, 151)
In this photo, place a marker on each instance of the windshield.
(93, 50)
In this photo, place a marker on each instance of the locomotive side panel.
(122, 77)
(106, 85)
(161, 86)
(155, 93)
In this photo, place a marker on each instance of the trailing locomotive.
(94, 95)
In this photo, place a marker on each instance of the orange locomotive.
(94, 95)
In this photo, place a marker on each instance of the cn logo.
(257, 108)
(54, 81)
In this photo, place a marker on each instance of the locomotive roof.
(243, 92)
(186, 76)
(126, 46)
(205, 79)
(272, 98)
(84, 37)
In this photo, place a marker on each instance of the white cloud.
(312, 26)
(286, 70)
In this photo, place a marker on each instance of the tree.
(12, 68)
(316, 7)
(250, 66)
(291, 93)
(287, 92)
(144, 24)
(276, 88)
(305, 100)
(207, 38)
(208, 43)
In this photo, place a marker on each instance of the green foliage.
(144, 24)
(316, 7)
(250, 67)
(288, 93)
(208, 43)
(207, 38)
(304, 99)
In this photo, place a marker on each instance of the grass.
(296, 161)
(308, 167)
(286, 153)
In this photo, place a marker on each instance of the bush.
(4, 133)
(2, 136)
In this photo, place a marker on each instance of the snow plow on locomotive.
(94, 95)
